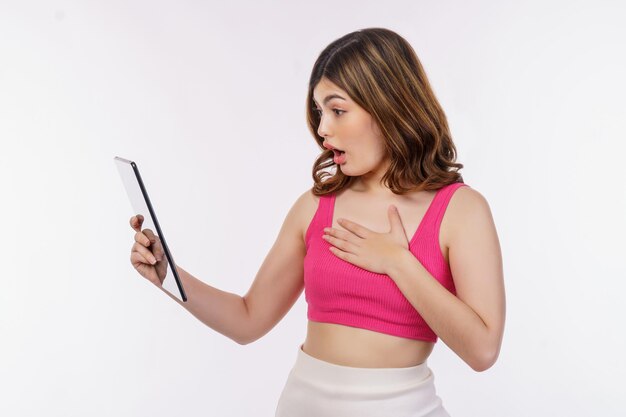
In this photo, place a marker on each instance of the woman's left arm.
(472, 322)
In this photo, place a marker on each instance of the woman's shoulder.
(466, 197)
(308, 202)
(466, 204)
(304, 209)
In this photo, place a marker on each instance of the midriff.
(361, 348)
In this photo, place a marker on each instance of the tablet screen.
(140, 202)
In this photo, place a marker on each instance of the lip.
(339, 159)
(329, 146)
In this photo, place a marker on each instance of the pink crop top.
(339, 292)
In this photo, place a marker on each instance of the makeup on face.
(340, 156)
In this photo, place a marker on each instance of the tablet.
(140, 203)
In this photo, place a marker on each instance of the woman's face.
(346, 126)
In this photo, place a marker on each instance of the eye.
(335, 110)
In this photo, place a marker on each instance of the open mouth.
(338, 152)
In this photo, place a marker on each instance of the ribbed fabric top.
(337, 291)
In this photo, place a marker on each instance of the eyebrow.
(330, 97)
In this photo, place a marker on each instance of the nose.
(322, 129)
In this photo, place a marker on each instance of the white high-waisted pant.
(316, 388)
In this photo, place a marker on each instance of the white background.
(208, 98)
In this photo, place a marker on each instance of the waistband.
(313, 369)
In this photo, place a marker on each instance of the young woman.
(392, 249)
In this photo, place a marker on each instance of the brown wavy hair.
(381, 72)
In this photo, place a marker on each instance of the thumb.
(136, 221)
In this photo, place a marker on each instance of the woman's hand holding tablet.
(150, 254)
(147, 255)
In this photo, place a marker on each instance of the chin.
(347, 171)
(351, 172)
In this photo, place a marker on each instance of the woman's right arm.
(277, 285)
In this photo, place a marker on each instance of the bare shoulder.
(474, 247)
(304, 209)
(468, 195)
(465, 203)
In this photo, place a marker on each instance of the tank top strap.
(439, 205)
(327, 206)
(322, 216)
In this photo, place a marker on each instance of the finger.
(142, 239)
(150, 235)
(342, 244)
(144, 269)
(341, 254)
(136, 221)
(145, 253)
(355, 228)
(157, 249)
(343, 235)
(136, 258)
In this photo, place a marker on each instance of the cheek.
(363, 139)
(358, 134)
